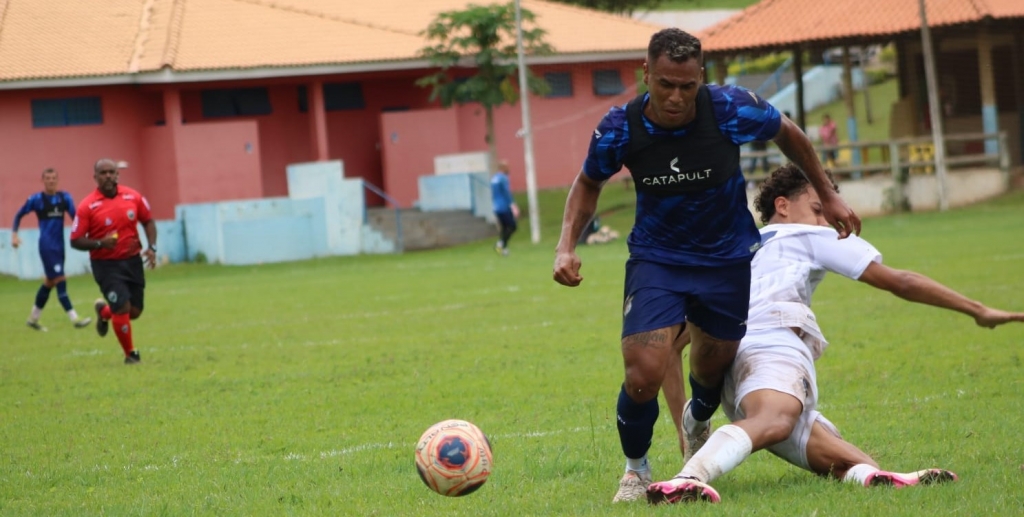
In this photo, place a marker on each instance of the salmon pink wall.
(160, 167)
(353, 137)
(218, 161)
(409, 150)
(562, 126)
(25, 151)
(283, 135)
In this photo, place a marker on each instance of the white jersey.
(792, 261)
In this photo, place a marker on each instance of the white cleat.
(693, 441)
(633, 486)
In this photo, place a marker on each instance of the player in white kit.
(770, 393)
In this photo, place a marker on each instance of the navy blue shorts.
(713, 298)
(507, 220)
(53, 263)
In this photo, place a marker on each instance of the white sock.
(36, 312)
(727, 447)
(859, 473)
(639, 465)
(692, 425)
(73, 315)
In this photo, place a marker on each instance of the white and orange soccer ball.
(454, 458)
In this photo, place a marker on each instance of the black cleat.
(102, 325)
(36, 325)
(133, 358)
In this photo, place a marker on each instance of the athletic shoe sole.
(102, 325)
(681, 491)
(921, 477)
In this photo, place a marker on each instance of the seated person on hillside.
(770, 393)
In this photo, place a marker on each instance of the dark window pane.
(343, 96)
(48, 113)
(608, 82)
(560, 83)
(83, 111)
(75, 111)
(236, 102)
(218, 103)
(303, 99)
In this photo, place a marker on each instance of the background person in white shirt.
(770, 393)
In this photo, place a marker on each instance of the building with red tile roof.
(212, 99)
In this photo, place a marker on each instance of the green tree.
(615, 6)
(483, 37)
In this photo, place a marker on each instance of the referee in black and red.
(106, 225)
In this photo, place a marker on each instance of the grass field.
(300, 389)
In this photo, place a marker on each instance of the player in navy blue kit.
(693, 238)
(50, 205)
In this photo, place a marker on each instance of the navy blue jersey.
(50, 210)
(712, 227)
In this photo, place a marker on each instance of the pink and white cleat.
(681, 490)
(921, 477)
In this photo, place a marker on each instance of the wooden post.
(317, 121)
(986, 78)
(798, 78)
(851, 107)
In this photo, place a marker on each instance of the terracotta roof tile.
(41, 39)
(772, 24)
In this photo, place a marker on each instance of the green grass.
(300, 389)
(882, 97)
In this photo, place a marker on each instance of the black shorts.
(121, 281)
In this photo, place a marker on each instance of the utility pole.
(524, 101)
(934, 108)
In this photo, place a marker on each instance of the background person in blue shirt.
(50, 205)
(693, 238)
(505, 208)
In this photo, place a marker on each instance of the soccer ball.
(453, 458)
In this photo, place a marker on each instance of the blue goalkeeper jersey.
(501, 194)
(703, 227)
(50, 210)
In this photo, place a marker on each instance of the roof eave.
(168, 76)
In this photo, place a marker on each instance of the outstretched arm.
(579, 210)
(916, 287)
(798, 148)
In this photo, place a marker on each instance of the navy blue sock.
(62, 295)
(42, 296)
(705, 400)
(636, 424)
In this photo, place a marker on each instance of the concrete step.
(430, 230)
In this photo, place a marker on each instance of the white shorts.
(777, 359)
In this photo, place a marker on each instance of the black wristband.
(152, 248)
